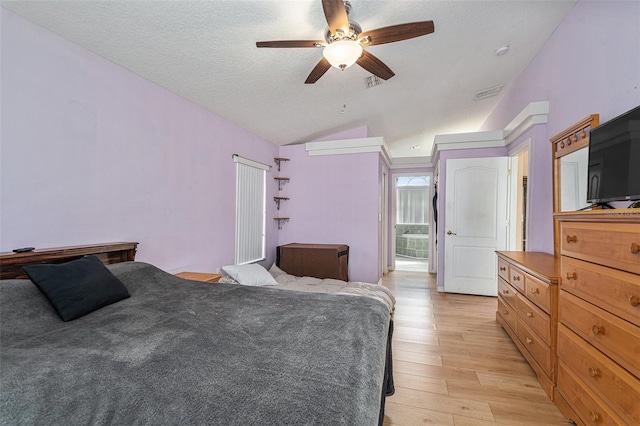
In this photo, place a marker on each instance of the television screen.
(614, 159)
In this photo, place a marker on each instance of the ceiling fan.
(344, 41)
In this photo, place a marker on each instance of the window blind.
(412, 205)
(250, 210)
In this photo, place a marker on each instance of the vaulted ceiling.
(205, 51)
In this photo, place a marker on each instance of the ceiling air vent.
(372, 81)
(487, 93)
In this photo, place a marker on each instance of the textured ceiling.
(205, 51)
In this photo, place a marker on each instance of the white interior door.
(475, 223)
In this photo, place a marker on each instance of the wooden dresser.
(528, 309)
(599, 314)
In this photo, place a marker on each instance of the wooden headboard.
(11, 263)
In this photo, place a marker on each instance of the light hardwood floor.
(454, 365)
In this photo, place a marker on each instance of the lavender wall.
(92, 153)
(590, 64)
(334, 199)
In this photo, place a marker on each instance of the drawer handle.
(535, 291)
(597, 330)
(634, 301)
(505, 291)
(516, 278)
(572, 238)
(594, 372)
(505, 312)
(529, 314)
(572, 275)
(595, 417)
(503, 268)
(634, 248)
(529, 341)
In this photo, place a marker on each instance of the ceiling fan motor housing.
(354, 31)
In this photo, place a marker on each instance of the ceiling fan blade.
(374, 66)
(336, 15)
(291, 43)
(398, 32)
(319, 70)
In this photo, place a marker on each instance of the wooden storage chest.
(314, 260)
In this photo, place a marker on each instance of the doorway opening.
(519, 195)
(412, 213)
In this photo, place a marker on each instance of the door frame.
(432, 262)
(514, 194)
(383, 219)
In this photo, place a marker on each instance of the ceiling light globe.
(343, 53)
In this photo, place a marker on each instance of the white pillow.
(250, 274)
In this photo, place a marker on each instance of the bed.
(282, 280)
(186, 352)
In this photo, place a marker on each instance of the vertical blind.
(413, 205)
(250, 210)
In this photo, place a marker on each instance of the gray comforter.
(184, 352)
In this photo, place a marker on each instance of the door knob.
(451, 233)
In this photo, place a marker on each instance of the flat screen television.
(614, 159)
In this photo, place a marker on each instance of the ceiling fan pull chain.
(344, 98)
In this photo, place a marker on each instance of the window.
(412, 200)
(250, 210)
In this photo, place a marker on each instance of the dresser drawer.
(507, 313)
(611, 244)
(539, 292)
(591, 409)
(617, 338)
(615, 385)
(534, 317)
(615, 291)
(507, 292)
(503, 269)
(536, 347)
(516, 278)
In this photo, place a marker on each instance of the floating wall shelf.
(279, 199)
(281, 221)
(281, 182)
(279, 160)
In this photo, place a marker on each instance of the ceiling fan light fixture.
(342, 53)
(345, 40)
